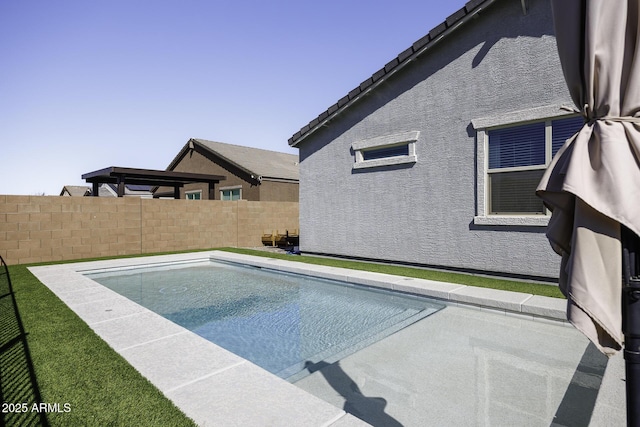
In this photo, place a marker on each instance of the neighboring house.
(251, 173)
(107, 190)
(75, 190)
(435, 159)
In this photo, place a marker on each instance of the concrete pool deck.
(215, 387)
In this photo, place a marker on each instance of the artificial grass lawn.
(441, 276)
(73, 365)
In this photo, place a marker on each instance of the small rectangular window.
(194, 195)
(230, 194)
(387, 150)
(381, 153)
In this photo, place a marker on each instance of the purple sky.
(87, 85)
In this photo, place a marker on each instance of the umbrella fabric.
(593, 183)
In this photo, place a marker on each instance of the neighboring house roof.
(264, 164)
(456, 19)
(106, 190)
(75, 190)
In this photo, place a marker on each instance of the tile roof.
(255, 161)
(470, 9)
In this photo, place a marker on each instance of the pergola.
(121, 176)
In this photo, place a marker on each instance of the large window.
(517, 158)
(512, 152)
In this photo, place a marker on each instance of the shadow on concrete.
(579, 400)
(368, 409)
(18, 386)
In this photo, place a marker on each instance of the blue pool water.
(277, 320)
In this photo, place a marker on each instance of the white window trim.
(231, 187)
(483, 216)
(186, 193)
(408, 138)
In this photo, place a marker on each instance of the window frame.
(482, 126)
(231, 189)
(407, 139)
(193, 193)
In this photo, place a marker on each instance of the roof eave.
(278, 179)
(453, 22)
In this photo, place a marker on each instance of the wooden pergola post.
(120, 182)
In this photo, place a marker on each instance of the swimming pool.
(279, 321)
(499, 361)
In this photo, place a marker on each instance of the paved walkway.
(446, 368)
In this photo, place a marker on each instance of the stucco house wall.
(278, 191)
(502, 63)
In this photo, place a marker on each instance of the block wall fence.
(55, 228)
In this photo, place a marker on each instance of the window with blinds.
(562, 130)
(517, 158)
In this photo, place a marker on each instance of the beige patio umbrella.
(593, 184)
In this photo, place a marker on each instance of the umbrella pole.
(631, 322)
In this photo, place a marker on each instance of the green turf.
(421, 273)
(74, 366)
